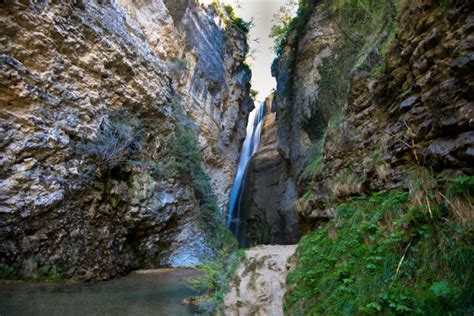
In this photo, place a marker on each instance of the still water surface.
(136, 294)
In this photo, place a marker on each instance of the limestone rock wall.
(217, 93)
(417, 113)
(267, 213)
(67, 69)
(297, 73)
(272, 179)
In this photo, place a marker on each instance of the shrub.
(253, 93)
(286, 25)
(177, 66)
(8, 271)
(114, 144)
(236, 21)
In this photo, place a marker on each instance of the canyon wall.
(369, 142)
(354, 113)
(96, 98)
(417, 113)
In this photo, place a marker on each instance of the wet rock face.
(67, 69)
(419, 112)
(267, 213)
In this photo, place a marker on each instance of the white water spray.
(249, 147)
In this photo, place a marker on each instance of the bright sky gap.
(261, 45)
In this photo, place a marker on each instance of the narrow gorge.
(136, 151)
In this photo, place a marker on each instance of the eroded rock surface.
(418, 112)
(258, 286)
(267, 213)
(269, 210)
(67, 68)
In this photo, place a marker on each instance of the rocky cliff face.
(267, 214)
(272, 189)
(217, 93)
(418, 112)
(353, 113)
(95, 97)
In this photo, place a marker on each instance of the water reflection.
(137, 294)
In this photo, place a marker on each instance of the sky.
(261, 45)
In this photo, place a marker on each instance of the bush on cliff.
(286, 24)
(232, 18)
(115, 143)
(236, 21)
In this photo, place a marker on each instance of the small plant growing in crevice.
(178, 66)
(315, 165)
(253, 93)
(236, 21)
(347, 182)
(376, 163)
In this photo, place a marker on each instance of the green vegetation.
(386, 44)
(8, 271)
(48, 272)
(315, 165)
(183, 161)
(236, 21)
(295, 26)
(177, 66)
(45, 272)
(217, 274)
(253, 93)
(232, 20)
(392, 253)
(287, 25)
(347, 182)
(364, 26)
(367, 29)
(357, 19)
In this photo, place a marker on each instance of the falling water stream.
(249, 147)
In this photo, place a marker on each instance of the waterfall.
(249, 147)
